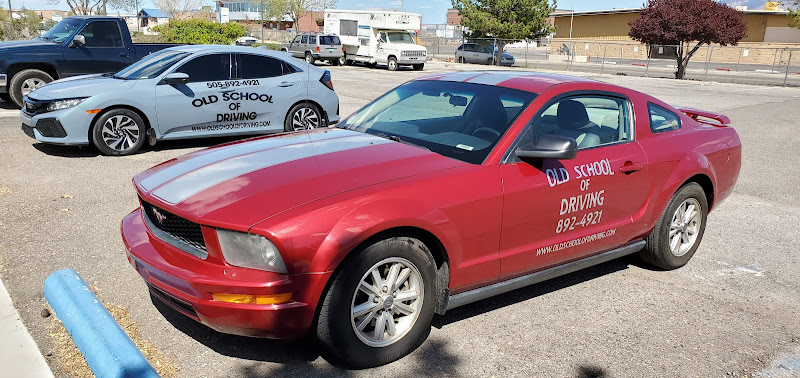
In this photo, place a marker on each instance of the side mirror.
(78, 40)
(176, 78)
(548, 146)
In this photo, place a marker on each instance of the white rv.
(374, 37)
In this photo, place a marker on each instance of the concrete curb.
(20, 356)
(106, 347)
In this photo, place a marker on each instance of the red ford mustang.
(446, 190)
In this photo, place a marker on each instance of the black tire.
(5, 97)
(392, 64)
(658, 251)
(419, 67)
(307, 114)
(16, 83)
(122, 123)
(335, 328)
(334, 62)
(371, 65)
(310, 58)
(461, 59)
(349, 62)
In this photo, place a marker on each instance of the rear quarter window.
(662, 120)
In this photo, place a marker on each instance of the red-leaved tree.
(688, 24)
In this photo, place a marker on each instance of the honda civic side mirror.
(176, 78)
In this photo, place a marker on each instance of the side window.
(591, 120)
(259, 67)
(102, 34)
(382, 37)
(483, 50)
(460, 48)
(662, 120)
(212, 67)
(312, 39)
(304, 39)
(296, 39)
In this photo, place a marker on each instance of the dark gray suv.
(316, 46)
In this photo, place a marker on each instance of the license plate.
(330, 49)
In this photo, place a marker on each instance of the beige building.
(762, 26)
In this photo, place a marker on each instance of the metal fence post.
(603, 62)
(788, 66)
(647, 65)
(526, 53)
(774, 57)
(738, 62)
(710, 51)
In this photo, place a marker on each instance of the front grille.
(176, 227)
(28, 131)
(413, 53)
(174, 302)
(51, 128)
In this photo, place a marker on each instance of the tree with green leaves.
(507, 20)
(296, 9)
(794, 12)
(200, 32)
(128, 6)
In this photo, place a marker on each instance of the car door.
(196, 108)
(276, 83)
(104, 50)
(294, 47)
(303, 47)
(562, 210)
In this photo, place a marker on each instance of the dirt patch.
(5, 190)
(71, 360)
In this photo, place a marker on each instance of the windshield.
(399, 37)
(329, 40)
(462, 121)
(62, 30)
(152, 65)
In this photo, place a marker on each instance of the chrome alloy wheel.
(31, 84)
(305, 118)
(387, 302)
(120, 133)
(685, 226)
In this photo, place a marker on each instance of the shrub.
(200, 32)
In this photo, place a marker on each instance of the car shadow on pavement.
(8, 105)
(533, 291)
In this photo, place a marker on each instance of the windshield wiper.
(396, 138)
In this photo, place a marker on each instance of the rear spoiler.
(696, 114)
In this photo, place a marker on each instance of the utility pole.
(10, 16)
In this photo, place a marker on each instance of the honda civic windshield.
(462, 121)
(152, 65)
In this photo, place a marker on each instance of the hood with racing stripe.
(246, 182)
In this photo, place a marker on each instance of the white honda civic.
(183, 92)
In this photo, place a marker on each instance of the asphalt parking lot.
(733, 310)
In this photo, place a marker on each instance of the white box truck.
(373, 37)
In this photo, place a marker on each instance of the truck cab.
(378, 37)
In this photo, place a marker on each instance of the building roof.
(637, 10)
(154, 13)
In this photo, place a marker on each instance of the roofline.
(638, 10)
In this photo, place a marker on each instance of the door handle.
(285, 84)
(123, 55)
(630, 167)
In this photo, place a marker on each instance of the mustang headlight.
(250, 251)
(64, 104)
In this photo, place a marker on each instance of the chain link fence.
(743, 64)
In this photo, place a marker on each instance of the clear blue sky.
(433, 11)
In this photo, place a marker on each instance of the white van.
(373, 37)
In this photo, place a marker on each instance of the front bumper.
(412, 60)
(185, 283)
(66, 127)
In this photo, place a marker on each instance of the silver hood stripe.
(204, 158)
(217, 171)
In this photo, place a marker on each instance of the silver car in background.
(482, 54)
(183, 92)
(316, 46)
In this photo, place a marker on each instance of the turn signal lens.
(94, 111)
(252, 299)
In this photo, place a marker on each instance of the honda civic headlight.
(64, 104)
(250, 251)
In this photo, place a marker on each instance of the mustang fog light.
(252, 299)
(250, 251)
(63, 104)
